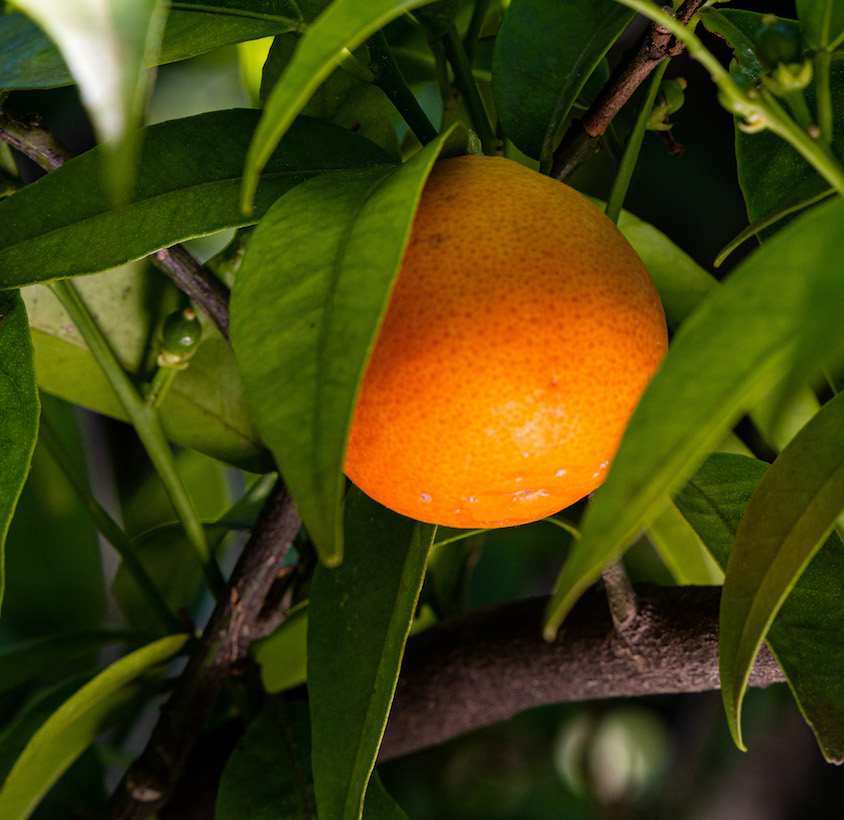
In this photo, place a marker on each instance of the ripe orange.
(519, 337)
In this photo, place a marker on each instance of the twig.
(29, 136)
(237, 620)
(488, 665)
(658, 45)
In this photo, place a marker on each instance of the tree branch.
(238, 619)
(490, 664)
(29, 136)
(583, 138)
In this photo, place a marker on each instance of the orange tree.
(202, 616)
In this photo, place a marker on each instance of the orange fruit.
(519, 336)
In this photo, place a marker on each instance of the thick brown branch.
(29, 136)
(489, 665)
(658, 45)
(237, 620)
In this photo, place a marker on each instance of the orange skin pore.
(519, 337)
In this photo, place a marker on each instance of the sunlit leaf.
(358, 621)
(775, 315)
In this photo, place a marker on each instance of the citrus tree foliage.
(295, 180)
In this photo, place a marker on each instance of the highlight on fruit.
(520, 334)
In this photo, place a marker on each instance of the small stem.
(634, 144)
(389, 79)
(473, 33)
(32, 140)
(620, 594)
(823, 92)
(160, 384)
(465, 81)
(799, 109)
(147, 425)
(564, 524)
(108, 527)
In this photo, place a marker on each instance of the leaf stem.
(823, 92)
(476, 23)
(108, 527)
(621, 184)
(147, 424)
(389, 79)
(465, 82)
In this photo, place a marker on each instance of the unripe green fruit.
(779, 42)
(180, 336)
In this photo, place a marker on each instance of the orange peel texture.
(519, 336)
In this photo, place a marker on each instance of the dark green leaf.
(345, 24)
(805, 634)
(189, 175)
(28, 59)
(283, 656)
(18, 411)
(776, 315)
(784, 524)
(358, 621)
(282, 11)
(682, 551)
(204, 408)
(268, 776)
(822, 22)
(305, 308)
(26, 662)
(739, 29)
(77, 723)
(544, 53)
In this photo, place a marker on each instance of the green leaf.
(188, 179)
(682, 551)
(77, 723)
(23, 663)
(305, 309)
(283, 655)
(345, 24)
(774, 316)
(544, 53)
(282, 11)
(29, 60)
(204, 409)
(268, 776)
(804, 635)
(358, 620)
(107, 45)
(822, 22)
(784, 524)
(18, 411)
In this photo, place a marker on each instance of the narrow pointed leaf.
(358, 621)
(776, 314)
(805, 634)
(107, 45)
(345, 24)
(544, 53)
(284, 11)
(305, 309)
(19, 409)
(682, 551)
(784, 524)
(76, 724)
(189, 176)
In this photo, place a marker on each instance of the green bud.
(180, 336)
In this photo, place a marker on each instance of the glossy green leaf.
(189, 174)
(204, 408)
(22, 663)
(18, 411)
(268, 776)
(784, 524)
(107, 44)
(822, 22)
(544, 53)
(682, 551)
(283, 656)
(28, 59)
(805, 634)
(283, 11)
(775, 315)
(345, 24)
(77, 723)
(359, 618)
(305, 309)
